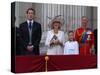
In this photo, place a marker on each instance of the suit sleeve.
(93, 39)
(47, 42)
(76, 35)
(23, 43)
(63, 38)
(39, 33)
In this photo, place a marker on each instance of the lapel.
(33, 27)
(27, 31)
(27, 28)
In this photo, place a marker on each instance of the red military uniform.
(85, 38)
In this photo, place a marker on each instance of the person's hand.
(57, 42)
(30, 48)
(51, 42)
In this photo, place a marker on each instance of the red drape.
(62, 62)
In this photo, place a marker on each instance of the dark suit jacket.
(96, 40)
(36, 37)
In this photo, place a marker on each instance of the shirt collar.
(30, 21)
(70, 41)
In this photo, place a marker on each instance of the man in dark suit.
(30, 32)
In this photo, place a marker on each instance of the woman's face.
(56, 25)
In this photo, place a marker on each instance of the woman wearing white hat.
(55, 39)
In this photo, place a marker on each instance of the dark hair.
(30, 9)
(70, 32)
(52, 26)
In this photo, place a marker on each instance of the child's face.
(71, 36)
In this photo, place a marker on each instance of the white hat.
(56, 20)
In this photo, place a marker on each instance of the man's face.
(84, 21)
(30, 15)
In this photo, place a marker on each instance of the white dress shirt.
(28, 21)
(71, 48)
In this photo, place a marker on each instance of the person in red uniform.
(85, 38)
